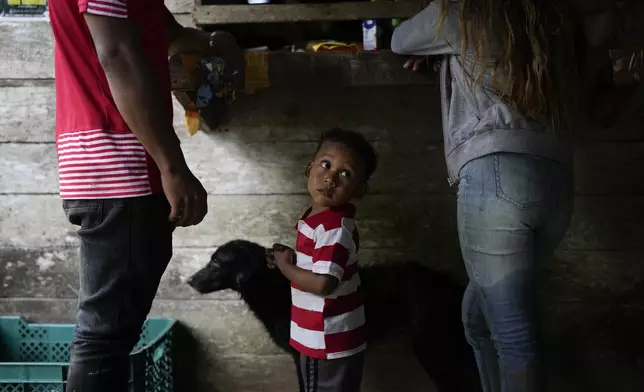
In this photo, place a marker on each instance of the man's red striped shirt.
(99, 157)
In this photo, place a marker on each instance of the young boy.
(327, 315)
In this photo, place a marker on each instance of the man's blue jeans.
(513, 211)
(126, 245)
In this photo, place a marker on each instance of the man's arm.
(135, 93)
(418, 36)
(133, 88)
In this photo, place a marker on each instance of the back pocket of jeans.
(522, 180)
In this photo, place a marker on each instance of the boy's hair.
(356, 143)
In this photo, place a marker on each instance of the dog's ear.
(244, 275)
(250, 259)
(241, 278)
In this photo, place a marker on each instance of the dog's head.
(232, 264)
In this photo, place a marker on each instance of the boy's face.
(336, 175)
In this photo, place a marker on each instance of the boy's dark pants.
(332, 375)
(126, 245)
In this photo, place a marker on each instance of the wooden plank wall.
(254, 176)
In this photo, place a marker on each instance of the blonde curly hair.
(537, 60)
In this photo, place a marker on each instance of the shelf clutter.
(362, 60)
(359, 57)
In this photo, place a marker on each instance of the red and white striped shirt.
(333, 326)
(98, 155)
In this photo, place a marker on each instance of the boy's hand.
(270, 260)
(282, 255)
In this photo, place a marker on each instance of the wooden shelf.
(303, 70)
(327, 69)
(282, 13)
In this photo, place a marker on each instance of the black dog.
(425, 303)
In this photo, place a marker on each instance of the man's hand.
(186, 195)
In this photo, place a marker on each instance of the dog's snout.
(192, 282)
(199, 281)
(208, 279)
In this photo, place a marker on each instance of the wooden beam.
(280, 13)
(34, 221)
(382, 68)
(275, 168)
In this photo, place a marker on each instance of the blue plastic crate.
(35, 357)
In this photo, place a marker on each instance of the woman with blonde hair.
(507, 81)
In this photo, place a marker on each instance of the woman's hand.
(416, 63)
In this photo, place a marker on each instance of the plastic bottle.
(370, 35)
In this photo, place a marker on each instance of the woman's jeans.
(513, 211)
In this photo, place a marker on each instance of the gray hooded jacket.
(476, 122)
